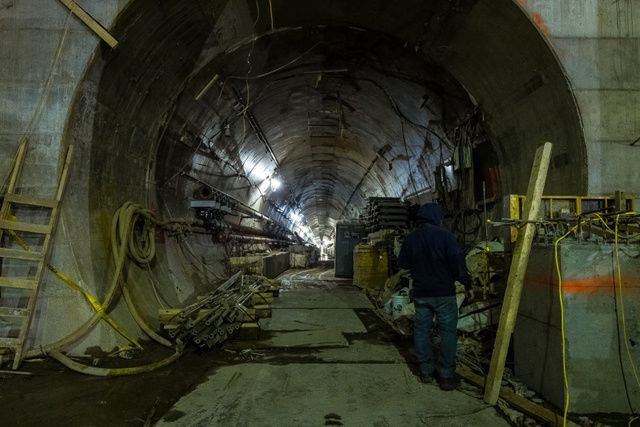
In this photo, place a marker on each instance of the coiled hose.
(135, 228)
(132, 235)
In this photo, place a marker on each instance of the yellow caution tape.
(90, 298)
(95, 304)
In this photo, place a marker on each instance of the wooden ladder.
(27, 285)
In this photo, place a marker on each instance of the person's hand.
(471, 296)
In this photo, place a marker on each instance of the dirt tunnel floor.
(323, 358)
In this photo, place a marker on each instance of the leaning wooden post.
(517, 272)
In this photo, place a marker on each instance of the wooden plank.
(262, 298)
(13, 179)
(20, 254)
(90, 22)
(249, 331)
(247, 315)
(25, 226)
(63, 178)
(17, 166)
(13, 312)
(520, 403)
(620, 201)
(9, 342)
(206, 87)
(262, 311)
(519, 263)
(18, 283)
(31, 201)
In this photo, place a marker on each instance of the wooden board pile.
(233, 308)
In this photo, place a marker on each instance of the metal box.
(348, 235)
(370, 266)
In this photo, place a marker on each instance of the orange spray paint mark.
(591, 285)
(537, 19)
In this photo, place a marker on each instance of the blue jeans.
(445, 310)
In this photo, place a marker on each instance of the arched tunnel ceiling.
(351, 114)
(336, 88)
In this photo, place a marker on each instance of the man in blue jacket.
(436, 261)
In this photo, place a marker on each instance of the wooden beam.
(519, 263)
(90, 22)
(18, 283)
(206, 87)
(518, 402)
(21, 199)
(25, 226)
(20, 254)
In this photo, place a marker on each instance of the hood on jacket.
(430, 213)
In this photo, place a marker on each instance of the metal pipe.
(244, 207)
(257, 239)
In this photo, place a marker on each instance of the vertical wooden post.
(620, 201)
(517, 272)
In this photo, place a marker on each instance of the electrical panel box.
(348, 235)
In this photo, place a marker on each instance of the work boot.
(448, 384)
(426, 378)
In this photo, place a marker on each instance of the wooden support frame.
(90, 22)
(519, 263)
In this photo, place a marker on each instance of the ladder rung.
(13, 312)
(32, 201)
(25, 226)
(18, 282)
(10, 342)
(20, 254)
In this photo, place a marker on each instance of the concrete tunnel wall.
(512, 75)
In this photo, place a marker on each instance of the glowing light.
(275, 184)
(295, 216)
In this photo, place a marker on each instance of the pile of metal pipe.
(218, 315)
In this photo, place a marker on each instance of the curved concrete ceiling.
(340, 101)
(347, 117)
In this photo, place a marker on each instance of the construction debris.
(232, 308)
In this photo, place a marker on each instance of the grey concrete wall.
(520, 88)
(598, 42)
(44, 53)
(597, 361)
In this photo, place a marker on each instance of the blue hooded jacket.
(434, 256)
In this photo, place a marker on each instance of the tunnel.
(300, 112)
(254, 126)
